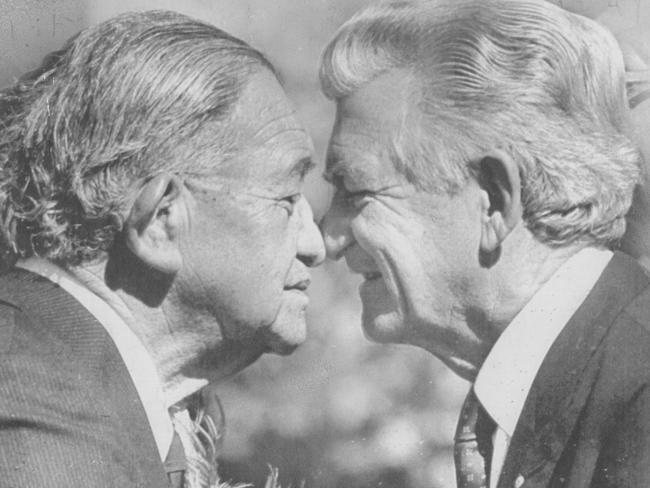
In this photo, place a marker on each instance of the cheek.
(417, 258)
(391, 239)
(261, 242)
(398, 249)
(241, 265)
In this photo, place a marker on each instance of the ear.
(498, 177)
(154, 224)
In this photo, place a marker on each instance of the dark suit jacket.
(586, 421)
(69, 413)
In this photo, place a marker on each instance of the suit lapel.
(82, 336)
(133, 419)
(564, 381)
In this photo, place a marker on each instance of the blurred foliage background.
(339, 412)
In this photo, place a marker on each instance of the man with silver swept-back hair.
(482, 173)
(154, 241)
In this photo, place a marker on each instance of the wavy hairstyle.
(122, 101)
(521, 75)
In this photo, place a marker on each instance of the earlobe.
(154, 223)
(501, 211)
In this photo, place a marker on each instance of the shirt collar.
(506, 376)
(137, 359)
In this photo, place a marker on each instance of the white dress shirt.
(137, 359)
(506, 376)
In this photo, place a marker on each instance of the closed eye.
(289, 202)
(358, 199)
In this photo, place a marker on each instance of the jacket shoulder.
(60, 424)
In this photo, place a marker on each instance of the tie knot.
(467, 422)
(473, 446)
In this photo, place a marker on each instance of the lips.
(301, 285)
(373, 275)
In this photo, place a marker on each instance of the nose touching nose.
(336, 232)
(311, 249)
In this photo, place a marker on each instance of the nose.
(335, 226)
(311, 249)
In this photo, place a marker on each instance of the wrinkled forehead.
(370, 118)
(271, 141)
(382, 101)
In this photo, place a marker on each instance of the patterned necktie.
(200, 424)
(175, 463)
(473, 445)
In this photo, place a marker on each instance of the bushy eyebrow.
(302, 167)
(332, 174)
(338, 172)
(333, 167)
(338, 167)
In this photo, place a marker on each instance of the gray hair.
(521, 75)
(124, 100)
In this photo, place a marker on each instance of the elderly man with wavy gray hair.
(482, 174)
(154, 239)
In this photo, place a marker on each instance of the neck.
(523, 267)
(530, 266)
(171, 355)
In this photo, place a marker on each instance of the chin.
(462, 368)
(289, 328)
(381, 320)
(384, 328)
(284, 336)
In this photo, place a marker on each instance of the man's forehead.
(368, 121)
(276, 123)
(264, 112)
(362, 161)
(272, 144)
(281, 162)
(382, 100)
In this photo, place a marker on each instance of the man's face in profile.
(252, 235)
(414, 248)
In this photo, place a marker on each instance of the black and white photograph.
(325, 244)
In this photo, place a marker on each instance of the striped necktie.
(473, 445)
